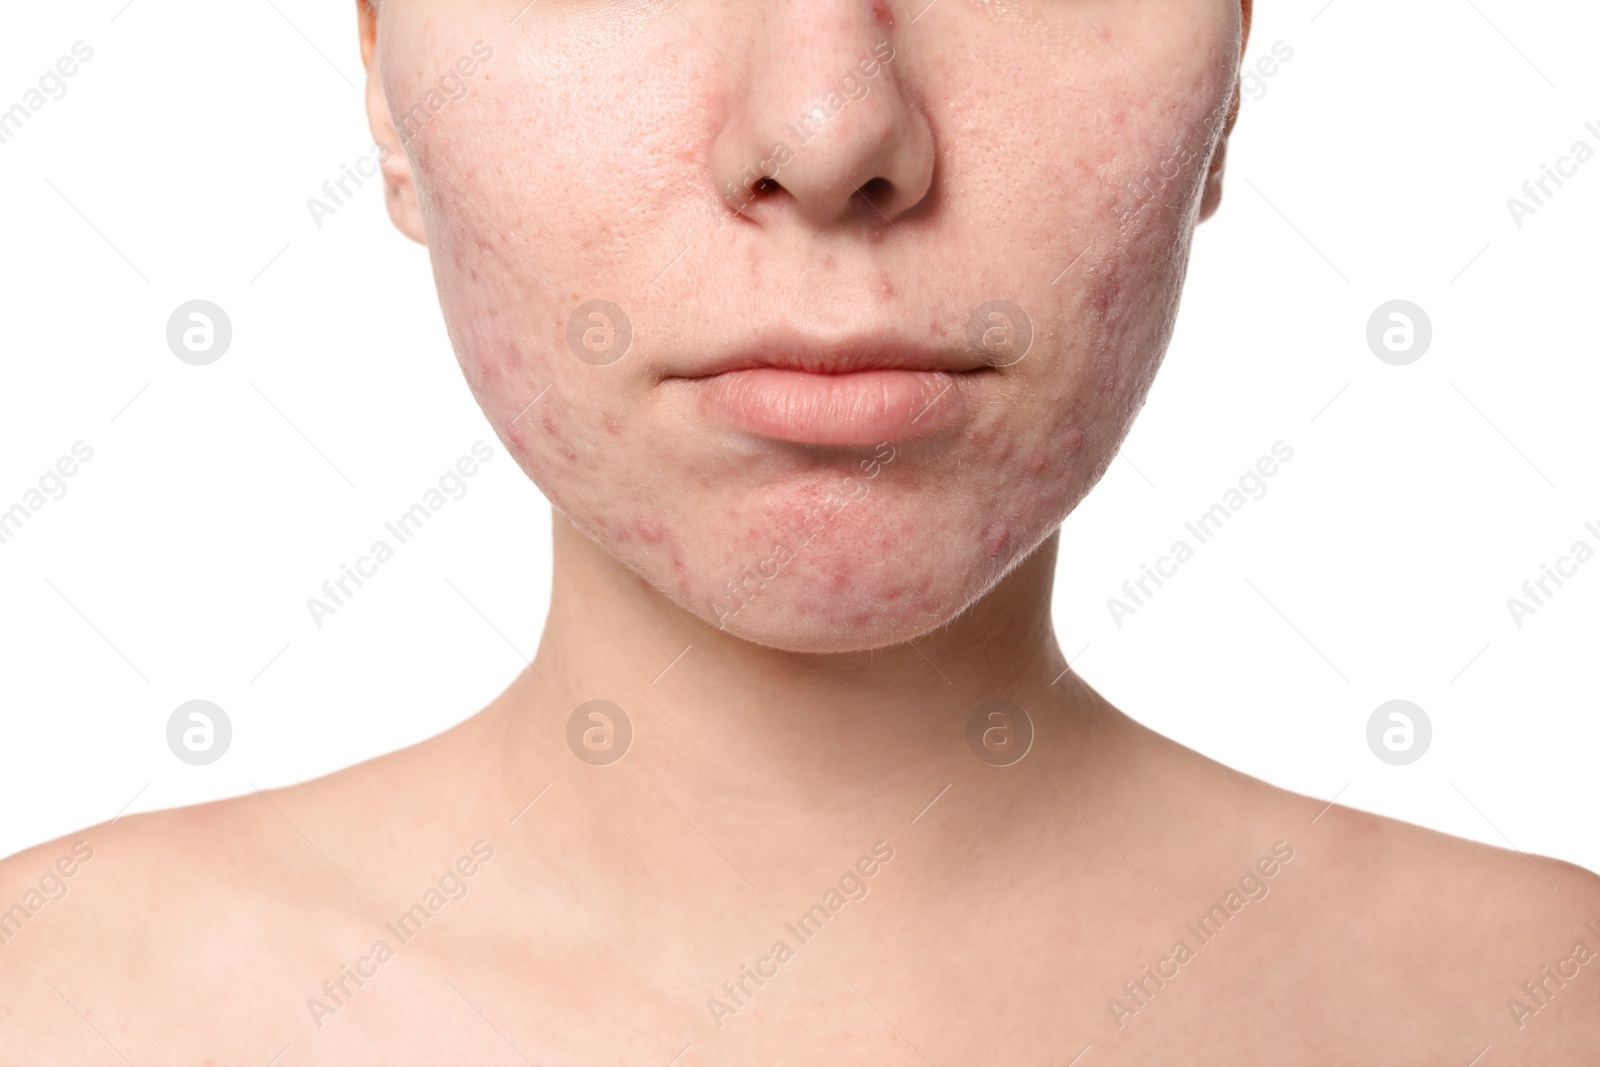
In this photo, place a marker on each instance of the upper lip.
(842, 354)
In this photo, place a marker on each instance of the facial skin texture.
(590, 160)
(1035, 153)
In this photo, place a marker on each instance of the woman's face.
(830, 409)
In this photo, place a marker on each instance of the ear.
(1212, 199)
(399, 186)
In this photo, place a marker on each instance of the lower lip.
(857, 408)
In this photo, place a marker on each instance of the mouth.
(861, 390)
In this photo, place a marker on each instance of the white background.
(1375, 165)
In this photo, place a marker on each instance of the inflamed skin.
(809, 412)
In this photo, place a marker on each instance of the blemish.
(1103, 295)
(995, 538)
(652, 529)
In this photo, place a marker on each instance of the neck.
(820, 745)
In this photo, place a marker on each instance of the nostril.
(877, 192)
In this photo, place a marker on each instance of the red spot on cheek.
(881, 12)
(995, 538)
(1103, 295)
(518, 436)
(651, 529)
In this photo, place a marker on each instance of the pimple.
(995, 538)
(652, 529)
(1103, 295)
(519, 436)
(1072, 440)
(551, 426)
(881, 13)
(613, 426)
(1036, 464)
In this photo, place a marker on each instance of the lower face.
(587, 160)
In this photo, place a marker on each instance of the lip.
(860, 390)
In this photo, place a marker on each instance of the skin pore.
(799, 719)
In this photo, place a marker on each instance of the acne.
(995, 538)
(518, 436)
(1103, 295)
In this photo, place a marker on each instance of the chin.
(848, 575)
(835, 601)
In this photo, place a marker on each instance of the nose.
(824, 125)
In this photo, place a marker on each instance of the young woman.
(813, 319)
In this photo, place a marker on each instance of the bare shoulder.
(112, 936)
(1441, 941)
(1385, 942)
